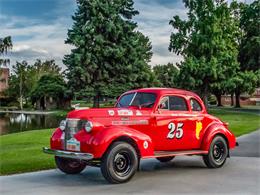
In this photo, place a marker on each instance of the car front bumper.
(68, 154)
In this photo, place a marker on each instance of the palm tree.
(5, 46)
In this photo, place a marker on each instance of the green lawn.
(239, 123)
(22, 152)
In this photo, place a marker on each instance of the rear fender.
(105, 137)
(217, 129)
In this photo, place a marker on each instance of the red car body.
(144, 123)
(148, 128)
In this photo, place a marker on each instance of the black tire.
(69, 166)
(120, 163)
(218, 153)
(165, 159)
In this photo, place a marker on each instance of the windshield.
(144, 100)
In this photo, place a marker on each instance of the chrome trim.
(68, 154)
(73, 126)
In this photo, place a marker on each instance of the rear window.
(178, 103)
(173, 103)
(195, 105)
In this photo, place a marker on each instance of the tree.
(247, 78)
(250, 40)
(109, 55)
(39, 68)
(50, 85)
(207, 41)
(5, 46)
(45, 67)
(26, 76)
(246, 82)
(218, 89)
(19, 84)
(167, 75)
(230, 85)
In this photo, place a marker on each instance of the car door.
(172, 124)
(200, 121)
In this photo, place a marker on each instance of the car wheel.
(165, 159)
(218, 153)
(120, 162)
(69, 166)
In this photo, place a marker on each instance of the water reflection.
(11, 122)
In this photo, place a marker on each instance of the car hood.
(101, 113)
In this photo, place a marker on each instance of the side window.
(164, 103)
(195, 105)
(178, 103)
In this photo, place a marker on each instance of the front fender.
(217, 129)
(102, 140)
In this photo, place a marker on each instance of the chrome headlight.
(88, 126)
(63, 125)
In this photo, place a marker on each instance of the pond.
(13, 123)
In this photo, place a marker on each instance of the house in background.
(50, 103)
(4, 78)
(245, 99)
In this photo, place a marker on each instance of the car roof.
(163, 91)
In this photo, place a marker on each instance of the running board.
(158, 154)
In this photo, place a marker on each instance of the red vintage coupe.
(156, 123)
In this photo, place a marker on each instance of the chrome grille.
(72, 127)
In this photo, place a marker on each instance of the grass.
(239, 123)
(82, 103)
(60, 113)
(22, 152)
(90, 104)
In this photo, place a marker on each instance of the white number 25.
(175, 132)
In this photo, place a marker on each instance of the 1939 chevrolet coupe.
(156, 123)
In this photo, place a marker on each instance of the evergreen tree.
(109, 55)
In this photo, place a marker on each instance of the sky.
(39, 27)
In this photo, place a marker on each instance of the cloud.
(35, 38)
(27, 52)
(153, 21)
(173, 58)
(23, 49)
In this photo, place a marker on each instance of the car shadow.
(155, 165)
(92, 176)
